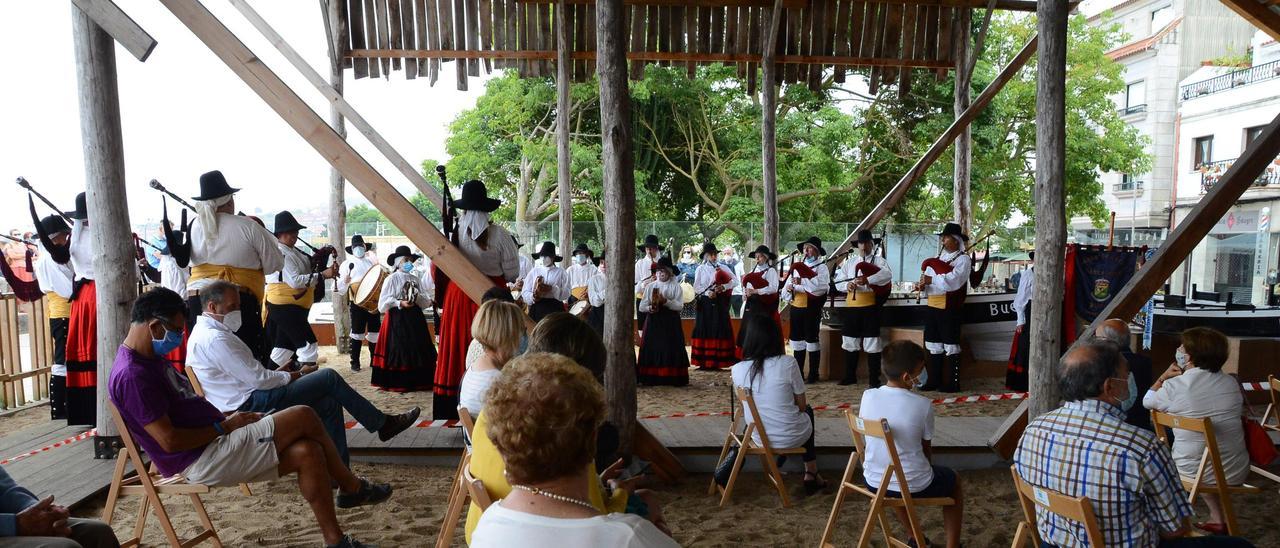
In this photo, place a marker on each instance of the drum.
(689, 294)
(581, 309)
(365, 294)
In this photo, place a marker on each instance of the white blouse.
(670, 289)
(241, 243)
(475, 386)
(352, 271)
(172, 276)
(850, 271)
(705, 276)
(296, 271)
(54, 277)
(81, 250)
(580, 274)
(502, 257)
(1198, 393)
(596, 289)
(553, 276)
(771, 276)
(816, 286)
(393, 290)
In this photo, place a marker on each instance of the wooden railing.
(14, 391)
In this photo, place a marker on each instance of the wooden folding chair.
(1077, 509)
(747, 446)
(1273, 409)
(1210, 458)
(195, 385)
(150, 485)
(880, 499)
(459, 494)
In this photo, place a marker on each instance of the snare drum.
(365, 294)
(581, 309)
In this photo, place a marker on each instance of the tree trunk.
(337, 185)
(769, 127)
(964, 143)
(1051, 228)
(620, 209)
(563, 178)
(107, 207)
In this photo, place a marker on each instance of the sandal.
(814, 485)
(369, 493)
(1213, 528)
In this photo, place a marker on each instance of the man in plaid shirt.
(1085, 448)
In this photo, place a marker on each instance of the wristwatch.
(217, 427)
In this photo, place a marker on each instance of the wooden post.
(108, 210)
(1050, 199)
(564, 184)
(769, 126)
(337, 184)
(620, 209)
(964, 142)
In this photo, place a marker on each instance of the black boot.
(58, 397)
(873, 369)
(850, 367)
(951, 376)
(799, 356)
(815, 359)
(934, 367)
(355, 354)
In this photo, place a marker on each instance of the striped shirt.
(1086, 449)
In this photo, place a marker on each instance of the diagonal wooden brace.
(119, 25)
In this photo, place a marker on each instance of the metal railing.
(1133, 109)
(24, 365)
(1211, 172)
(1127, 186)
(1231, 80)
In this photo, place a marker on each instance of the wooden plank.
(893, 40)
(664, 38)
(910, 19)
(486, 30)
(245, 64)
(445, 15)
(877, 46)
(946, 23)
(548, 37)
(435, 38)
(394, 29)
(28, 438)
(638, 16)
(359, 67)
(408, 37)
(673, 57)
(499, 30)
(744, 29)
(344, 29)
(731, 30)
(808, 24)
(1009, 5)
(841, 37)
(931, 33)
(120, 26)
(472, 9)
(371, 36)
(422, 35)
(1261, 16)
(935, 150)
(384, 33)
(717, 29)
(460, 38)
(690, 38)
(591, 37)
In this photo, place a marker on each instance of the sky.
(184, 112)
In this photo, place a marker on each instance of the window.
(1202, 151)
(1250, 134)
(1135, 97)
(1128, 182)
(1161, 17)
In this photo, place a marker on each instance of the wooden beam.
(110, 18)
(769, 124)
(338, 103)
(670, 56)
(962, 159)
(1011, 5)
(337, 222)
(564, 80)
(1261, 16)
(935, 151)
(295, 112)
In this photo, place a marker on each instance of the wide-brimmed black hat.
(1031, 255)
(664, 262)
(953, 229)
(213, 186)
(650, 241)
(53, 224)
(286, 223)
(866, 236)
(813, 241)
(582, 248)
(402, 251)
(548, 249)
(82, 209)
(709, 248)
(357, 241)
(765, 249)
(475, 197)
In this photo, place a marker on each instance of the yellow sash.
(579, 293)
(280, 293)
(938, 301)
(58, 306)
(253, 281)
(800, 300)
(860, 299)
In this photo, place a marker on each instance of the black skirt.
(595, 319)
(713, 342)
(544, 307)
(404, 360)
(287, 326)
(662, 359)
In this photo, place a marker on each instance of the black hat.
(53, 224)
(82, 209)
(213, 186)
(866, 236)
(475, 197)
(286, 223)
(664, 262)
(813, 241)
(765, 249)
(953, 229)
(582, 248)
(651, 241)
(709, 248)
(1031, 255)
(402, 251)
(357, 241)
(548, 249)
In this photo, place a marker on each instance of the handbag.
(1262, 451)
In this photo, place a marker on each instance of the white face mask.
(548, 261)
(1182, 358)
(232, 320)
(358, 252)
(582, 259)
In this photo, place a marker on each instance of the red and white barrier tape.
(939, 401)
(421, 424)
(81, 436)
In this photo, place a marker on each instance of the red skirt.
(455, 336)
(82, 356)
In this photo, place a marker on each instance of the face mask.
(407, 267)
(171, 340)
(232, 320)
(547, 261)
(1182, 358)
(687, 255)
(923, 379)
(358, 252)
(1128, 402)
(810, 260)
(582, 259)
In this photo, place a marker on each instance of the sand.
(277, 516)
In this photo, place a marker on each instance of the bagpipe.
(449, 226)
(940, 267)
(757, 281)
(26, 291)
(722, 277)
(61, 254)
(801, 271)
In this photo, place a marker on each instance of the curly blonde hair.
(498, 326)
(542, 416)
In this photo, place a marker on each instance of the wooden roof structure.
(377, 37)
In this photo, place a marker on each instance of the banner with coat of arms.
(1094, 274)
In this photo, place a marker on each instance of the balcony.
(1127, 186)
(1231, 80)
(1133, 109)
(1211, 172)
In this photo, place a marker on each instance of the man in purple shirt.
(184, 434)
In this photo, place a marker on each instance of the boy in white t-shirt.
(910, 417)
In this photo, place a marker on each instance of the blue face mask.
(407, 267)
(171, 341)
(1133, 395)
(358, 252)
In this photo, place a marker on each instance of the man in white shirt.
(1015, 377)
(57, 281)
(945, 282)
(869, 280)
(290, 294)
(806, 293)
(580, 272)
(234, 381)
(546, 288)
(644, 271)
(364, 323)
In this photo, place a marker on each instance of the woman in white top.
(497, 327)
(543, 413)
(404, 360)
(778, 389)
(1196, 387)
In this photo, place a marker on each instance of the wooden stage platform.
(62, 464)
